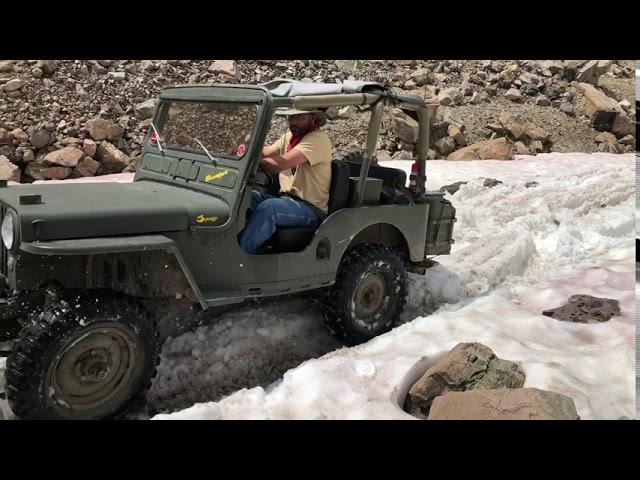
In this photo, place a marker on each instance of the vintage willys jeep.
(90, 269)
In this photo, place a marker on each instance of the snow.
(518, 251)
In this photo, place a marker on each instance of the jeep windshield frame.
(225, 128)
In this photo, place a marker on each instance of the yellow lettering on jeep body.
(203, 219)
(217, 176)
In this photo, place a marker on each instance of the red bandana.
(296, 139)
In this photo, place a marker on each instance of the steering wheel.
(262, 178)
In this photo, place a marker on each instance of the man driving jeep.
(302, 159)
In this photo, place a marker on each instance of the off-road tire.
(356, 269)
(50, 338)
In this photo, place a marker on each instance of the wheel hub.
(370, 296)
(93, 369)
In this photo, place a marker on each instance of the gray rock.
(585, 309)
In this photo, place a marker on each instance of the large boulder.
(225, 67)
(467, 366)
(504, 404)
(65, 157)
(496, 149)
(145, 109)
(111, 158)
(8, 171)
(101, 129)
(601, 110)
(404, 127)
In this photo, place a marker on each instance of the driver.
(302, 158)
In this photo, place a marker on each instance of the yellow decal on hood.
(203, 219)
(217, 176)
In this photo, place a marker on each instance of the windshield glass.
(223, 128)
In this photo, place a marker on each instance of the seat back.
(339, 189)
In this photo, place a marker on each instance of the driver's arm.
(270, 150)
(277, 163)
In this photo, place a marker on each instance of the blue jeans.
(270, 211)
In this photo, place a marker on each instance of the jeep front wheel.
(369, 294)
(82, 360)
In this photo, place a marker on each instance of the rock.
(554, 66)
(421, 76)
(20, 135)
(542, 101)
(40, 138)
(455, 133)
(56, 173)
(402, 155)
(66, 157)
(101, 129)
(453, 188)
(331, 113)
(514, 95)
(347, 112)
(623, 126)
(89, 147)
(409, 84)
(106, 63)
(496, 149)
(515, 125)
(383, 156)
(537, 146)
(28, 155)
(13, 85)
(5, 137)
(446, 145)
(498, 128)
(567, 108)
(606, 137)
(531, 184)
(625, 104)
(504, 404)
(34, 170)
(145, 109)
(148, 66)
(404, 127)
(468, 366)
(521, 148)
(628, 140)
(111, 158)
(6, 66)
(445, 98)
(585, 309)
(225, 67)
(477, 98)
(87, 167)
(600, 109)
(120, 76)
(529, 89)
(49, 67)
(491, 182)
(454, 119)
(588, 73)
(9, 171)
(71, 141)
(540, 134)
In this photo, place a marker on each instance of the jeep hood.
(74, 211)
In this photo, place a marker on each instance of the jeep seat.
(295, 239)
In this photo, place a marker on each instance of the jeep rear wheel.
(369, 294)
(86, 361)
